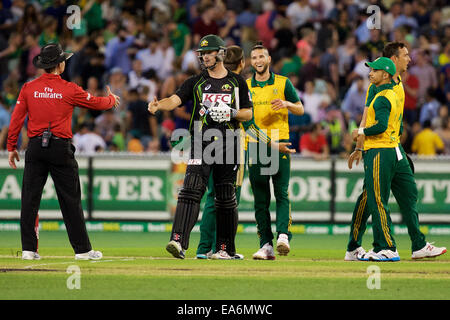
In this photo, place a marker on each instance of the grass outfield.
(136, 266)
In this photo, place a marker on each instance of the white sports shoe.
(353, 255)
(429, 251)
(174, 247)
(283, 247)
(90, 255)
(238, 256)
(30, 255)
(265, 253)
(381, 256)
(221, 255)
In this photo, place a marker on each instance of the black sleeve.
(245, 100)
(185, 92)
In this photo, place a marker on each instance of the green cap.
(211, 42)
(383, 63)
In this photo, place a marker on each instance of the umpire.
(49, 102)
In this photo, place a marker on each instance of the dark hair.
(233, 57)
(392, 48)
(258, 45)
(50, 70)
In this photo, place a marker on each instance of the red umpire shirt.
(50, 100)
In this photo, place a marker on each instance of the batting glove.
(220, 112)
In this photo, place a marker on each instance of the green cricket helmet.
(211, 42)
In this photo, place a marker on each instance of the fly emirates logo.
(48, 94)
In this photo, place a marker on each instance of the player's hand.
(283, 147)
(153, 106)
(355, 134)
(221, 112)
(12, 157)
(355, 156)
(278, 104)
(116, 98)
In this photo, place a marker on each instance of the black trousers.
(194, 187)
(58, 160)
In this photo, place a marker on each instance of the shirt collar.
(385, 86)
(261, 84)
(396, 83)
(51, 76)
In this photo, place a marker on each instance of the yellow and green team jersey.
(277, 87)
(398, 89)
(384, 118)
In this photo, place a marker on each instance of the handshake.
(220, 112)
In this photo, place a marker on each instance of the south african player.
(273, 98)
(403, 186)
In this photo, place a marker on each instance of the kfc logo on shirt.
(209, 98)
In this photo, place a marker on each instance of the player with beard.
(273, 97)
(214, 107)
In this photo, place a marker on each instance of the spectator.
(264, 23)
(134, 144)
(329, 64)
(92, 13)
(438, 122)
(427, 142)
(205, 24)
(151, 57)
(426, 74)
(360, 69)
(88, 141)
(30, 23)
(411, 86)
(406, 18)
(180, 37)
(444, 134)
(116, 55)
(168, 126)
(375, 44)
(105, 125)
(32, 49)
(430, 108)
(306, 44)
(5, 117)
(94, 67)
(49, 33)
(309, 71)
(354, 101)
(314, 144)
(346, 52)
(311, 101)
(118, 140)
(141, 124)
(444, 57)
(299, 12)
(137, 79)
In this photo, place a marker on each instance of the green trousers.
(260, 184)
(383, 173)
(208, 223)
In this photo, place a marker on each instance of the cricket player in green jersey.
(403, 184)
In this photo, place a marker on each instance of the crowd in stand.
(146, 49)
